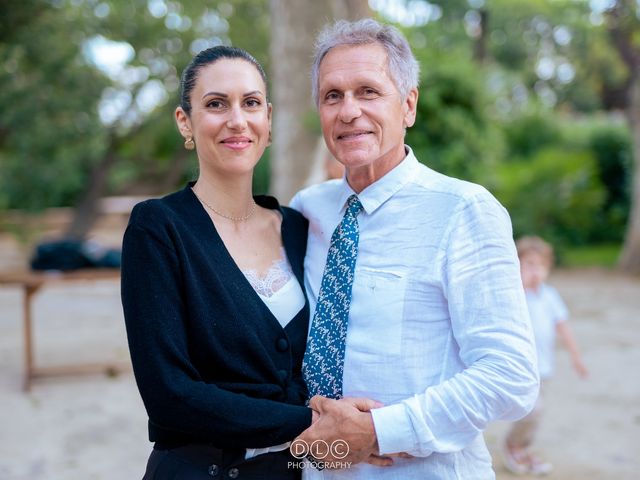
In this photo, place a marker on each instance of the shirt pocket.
(376, 314)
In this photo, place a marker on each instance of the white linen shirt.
(438, 327)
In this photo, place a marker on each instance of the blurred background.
(538, 100)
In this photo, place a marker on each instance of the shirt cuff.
(254, 452)
(393, 429)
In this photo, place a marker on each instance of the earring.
(189, 144)
(269, 137)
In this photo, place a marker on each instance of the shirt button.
(283, 374)
(213, 470)
(282, 344)
(233, 473)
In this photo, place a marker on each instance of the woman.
(211, 288)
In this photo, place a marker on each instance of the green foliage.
(555, 194)
(262, 175)
(610, 143)
(249, 28)
(453, 132)
(561, 167)
(612, 146)
(502, 124)
(601, 255)
(516, 33)
(47, 126)
(52, 91)
(530, 132)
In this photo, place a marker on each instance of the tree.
(75, 125)
(294, 25)
(163, 38)
(624, 28)
(73, 128)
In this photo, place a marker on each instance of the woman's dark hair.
(208, 57)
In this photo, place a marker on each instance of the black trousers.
(204, 462)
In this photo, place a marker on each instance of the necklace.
(228, 217)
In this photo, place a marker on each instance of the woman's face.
(230, 117)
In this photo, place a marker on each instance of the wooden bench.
(31, 282)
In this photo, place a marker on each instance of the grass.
(605, 255)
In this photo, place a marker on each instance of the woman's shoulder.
(289, 215)
(154, 211)
(294, 216)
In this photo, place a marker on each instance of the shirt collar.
(384, 188)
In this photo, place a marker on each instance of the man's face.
(362, 114)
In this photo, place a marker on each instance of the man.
(417, 294)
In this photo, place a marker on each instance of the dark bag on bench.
(72, 255)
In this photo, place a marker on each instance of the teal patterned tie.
(324, 357)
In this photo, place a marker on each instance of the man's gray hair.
(403, 66)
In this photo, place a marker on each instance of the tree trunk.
(622, 29)
(294, 25)
(630, 257)
(87, 210)
(350, 9)
(480, 44)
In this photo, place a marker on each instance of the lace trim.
(277, 276)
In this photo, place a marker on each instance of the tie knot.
(353, 206)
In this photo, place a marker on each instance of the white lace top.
(279, 289)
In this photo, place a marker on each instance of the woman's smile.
(237, 143)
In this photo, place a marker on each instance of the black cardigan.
(212, 364)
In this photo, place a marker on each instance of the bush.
(555, 194)
(612, 148)
(529, 133)
(609, 141)
(453, 133)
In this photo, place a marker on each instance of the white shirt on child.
(546, 310)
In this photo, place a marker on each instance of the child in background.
(549, 317)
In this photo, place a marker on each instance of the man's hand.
(347, 425)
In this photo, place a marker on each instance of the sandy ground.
(94, 427)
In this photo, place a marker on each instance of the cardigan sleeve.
(175, 396)
(294, 232)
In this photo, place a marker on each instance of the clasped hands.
(343, 432)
